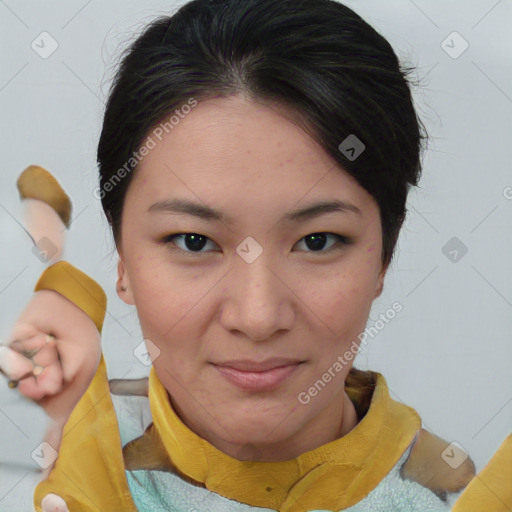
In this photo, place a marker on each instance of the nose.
(257, 301)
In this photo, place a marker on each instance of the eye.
(316, 241)
(192, 242)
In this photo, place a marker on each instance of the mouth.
(245, 376)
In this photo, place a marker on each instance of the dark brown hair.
(318, 58)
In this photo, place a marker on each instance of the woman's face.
(249, 283)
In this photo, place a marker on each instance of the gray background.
(448, 354)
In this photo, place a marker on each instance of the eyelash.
(341, 241)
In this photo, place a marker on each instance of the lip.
(246, 365)
(257, 381)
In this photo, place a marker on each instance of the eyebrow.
(183, 206)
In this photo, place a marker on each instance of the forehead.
(234, 149)
(234, 131)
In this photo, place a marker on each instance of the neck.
(333, 422)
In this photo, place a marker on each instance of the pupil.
(194, 242)
(318, 240)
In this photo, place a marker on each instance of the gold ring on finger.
(37, 370)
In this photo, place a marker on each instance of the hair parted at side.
(317, 58)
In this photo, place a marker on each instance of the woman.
(280, 136)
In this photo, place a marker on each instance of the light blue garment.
(162, 491)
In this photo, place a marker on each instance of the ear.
(123, 286)
(379, 285)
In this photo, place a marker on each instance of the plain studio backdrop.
(448, 353)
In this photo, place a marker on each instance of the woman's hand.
(54, 349)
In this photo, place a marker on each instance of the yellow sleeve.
(89, 473)
(491, 489)
(76, 286)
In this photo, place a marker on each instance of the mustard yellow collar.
(333, 476)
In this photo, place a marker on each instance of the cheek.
(167, 300)
(342, 301)
(154, 292)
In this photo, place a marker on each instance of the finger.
(46, 382)
(46, 228)
(47, 375)
(23, 330)
(13, 364)
(30, 346)
(53, 503)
